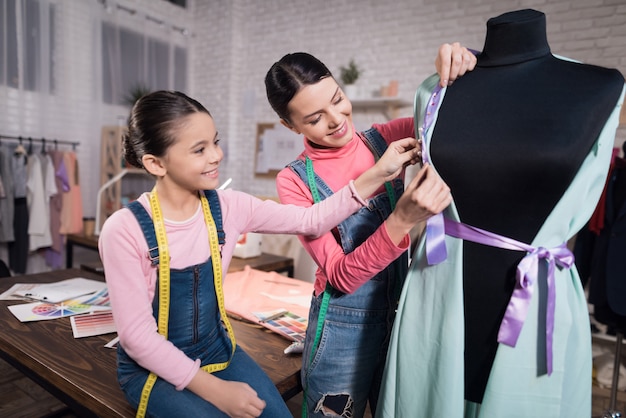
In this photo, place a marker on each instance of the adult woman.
(363, 262)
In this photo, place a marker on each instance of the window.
(30, 43)
(133, 60)
(181, 3)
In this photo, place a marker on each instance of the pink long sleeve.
(345, 272)
(131, 278)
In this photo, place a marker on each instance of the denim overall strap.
(375, 141)
(377, 144)
(216, 211)
(145, 222)
(299, 167)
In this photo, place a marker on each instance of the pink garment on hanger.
(72, 209)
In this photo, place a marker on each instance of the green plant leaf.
(349, 74)
(135, 93)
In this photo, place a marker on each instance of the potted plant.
(136, 92)
(349, 75)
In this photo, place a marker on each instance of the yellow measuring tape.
(164, 287)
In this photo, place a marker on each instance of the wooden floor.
(22, 398)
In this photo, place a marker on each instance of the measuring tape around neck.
(164, 287)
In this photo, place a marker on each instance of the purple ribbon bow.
(526, 276)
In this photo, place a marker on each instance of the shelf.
(133, 170)
(386, 105)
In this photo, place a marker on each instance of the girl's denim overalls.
(194, 327)
(346, 369)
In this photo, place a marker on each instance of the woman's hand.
(426, 195)
(452, 62)
(398, 155)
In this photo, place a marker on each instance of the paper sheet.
(62, 290)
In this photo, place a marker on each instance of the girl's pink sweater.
(131, 278)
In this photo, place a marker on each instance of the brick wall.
(240, 39)
(236, 41)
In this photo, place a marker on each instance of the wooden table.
(82, 372)
(264, 262)
(80, 240)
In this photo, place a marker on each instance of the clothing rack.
(42, 141)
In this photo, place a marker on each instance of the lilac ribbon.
(526, 275)
(436, 251)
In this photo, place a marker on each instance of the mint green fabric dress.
(425, 363)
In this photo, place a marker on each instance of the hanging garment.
(40, 188)
(54, 254)
(607, 288)
(18, 248)
(72, 209)
(6, 204)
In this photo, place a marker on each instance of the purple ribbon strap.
(436, 251)
(525, 278)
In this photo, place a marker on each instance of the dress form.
(510, 137)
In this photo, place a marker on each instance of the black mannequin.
(510, 137)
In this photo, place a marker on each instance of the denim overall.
(346, 369)
(195, 327)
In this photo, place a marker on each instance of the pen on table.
(33, 296)
(275, 316)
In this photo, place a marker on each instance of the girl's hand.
(235, 399)
(399, 155)
(238, 400)
(452, 62)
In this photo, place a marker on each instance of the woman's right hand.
(426, 195)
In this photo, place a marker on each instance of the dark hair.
(287, 76)
(153, 121)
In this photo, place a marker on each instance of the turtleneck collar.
(513, 38)
(328, 153)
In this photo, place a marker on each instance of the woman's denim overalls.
(347, 367)
(194, 327)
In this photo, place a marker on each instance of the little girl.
(164, 256)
